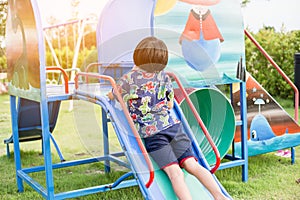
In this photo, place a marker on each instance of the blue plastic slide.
(161, 187)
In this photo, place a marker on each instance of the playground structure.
(200, 104)
(271, 129)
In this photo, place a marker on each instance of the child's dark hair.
(151, 54)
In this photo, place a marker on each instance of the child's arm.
(112, 93)
(169, 93)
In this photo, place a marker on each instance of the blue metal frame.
(15, 131)
(243, 160)
(244, 130)
(48, 192)
(29, 129)
(23, 174)
(292, 155)
(105, 140)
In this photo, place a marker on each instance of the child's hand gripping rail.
(200, 122)
(127, 115)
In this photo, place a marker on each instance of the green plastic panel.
(218, 116)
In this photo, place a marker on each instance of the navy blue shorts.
(170, 146)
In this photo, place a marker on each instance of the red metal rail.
(91, 65)
(200, 122)
(127, 115)
(65, 75)
(260, 48)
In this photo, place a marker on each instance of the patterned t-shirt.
(147, 95)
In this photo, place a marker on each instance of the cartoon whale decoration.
(260, 129)
(264, 140)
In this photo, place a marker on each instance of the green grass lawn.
(270, 177)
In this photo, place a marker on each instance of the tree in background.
(281, 46)
(3, 15)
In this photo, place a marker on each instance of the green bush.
(3, 64)
(281, 46)
(65, 57)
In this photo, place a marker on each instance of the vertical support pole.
(47, 149)
(244, 130)
(7, 150)
(15, 132)
(105, 140)
(231, 101)
(297, 71)
(292, 155)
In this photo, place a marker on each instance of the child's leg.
(204, 176)
(176, 177)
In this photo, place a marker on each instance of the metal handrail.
(200, 122)
(127, 115)
(261, 49)
(89, 66)
(65, 75)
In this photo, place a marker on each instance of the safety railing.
(115, 70)
(127, 115)
(268, 57)
(65, 76)
(200, 122)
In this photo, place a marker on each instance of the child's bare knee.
(190, 164)
(176, 175)
(174, 172)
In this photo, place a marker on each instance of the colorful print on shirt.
(147, 96)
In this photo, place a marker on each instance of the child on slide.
(147, 90)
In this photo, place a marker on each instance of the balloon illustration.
(163, 6)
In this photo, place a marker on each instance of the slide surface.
(161, 187)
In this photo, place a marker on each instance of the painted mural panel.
(260, 102)
(205, 39)
(22, 51)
